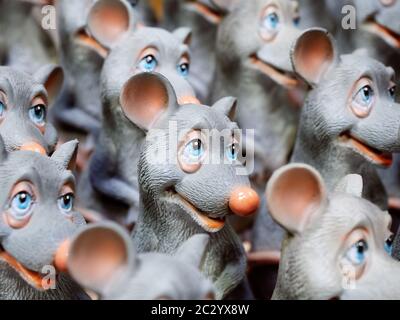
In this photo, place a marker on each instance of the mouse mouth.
(386, 34)
(376, 156)
(282, 77)
(33, 278)
(203, 219)
(208, 13)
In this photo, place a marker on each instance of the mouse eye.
(232, 151)
(363, 99)
(37, 114)
(392, 92)
(192, 152)
(148, 63)
(21, 204)
(296, 21)
(357, 253)
(270, 22)
(183, 69)
(66, 202)
(389, 244)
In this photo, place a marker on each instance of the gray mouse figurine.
(337, 245)
(37, 218)
(201, 181)
(110, 183)
(102, 258)
(24, 103)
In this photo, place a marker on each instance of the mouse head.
(257, 34)
(379, 17)
(24, 103)
(37, 202)
(102, 258)
(132, 49)
(338, 244)
(191, 151)
(352, 97)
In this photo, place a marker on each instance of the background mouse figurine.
(253, 63)
(341, 129)
(24, 44)
(38, 216)
(337, 244)
(110, 183)
(102, 258)
(24, 103)
(199, 183)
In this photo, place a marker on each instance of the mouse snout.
(61, 256)
(33, 146)
(243, 201)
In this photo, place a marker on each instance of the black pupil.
(22, 197)
(196, 144)
(39, 110)
(149, 58)
(233, 149)
(389, 241)
(367, 91)
(184, 66)
(391, 91)
(361, 246)
(67, 199)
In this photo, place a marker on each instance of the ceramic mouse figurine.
(189, 183)
(23, 42)
(102, 258)
(110, 183)
(253, 63)
(24, 103)
(337, 244)
(340, 131)
(37, 217)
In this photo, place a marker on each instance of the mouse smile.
(208, 223)
(386, 34)
(35, 279)
(374, 155)
(284, 78)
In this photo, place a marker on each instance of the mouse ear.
(351, 184)
(227, 106)
(99, 253)
(109, 20)
(312, 54)
(193, 250)
(183, 34)
(145, 97)
(52, 78)
(66, 154)
(295, 192)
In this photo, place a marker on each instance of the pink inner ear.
(143, 99)
(95, 256)
(293, 197)
(108, 20)
(53, 83)
(313, 54)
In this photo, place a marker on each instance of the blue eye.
(389, 244)
(356, 255)
(183, 69)
(296, 21)
(271, 21)
(232, 151)
(21, 204)
(66, 202)
(148, 63)
(392, 92)
(365, 96)
(194, 150)
(2, 108)
(38, 114)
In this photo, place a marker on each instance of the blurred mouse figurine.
(337, 245)
(102, 258)
(38, 216)
(110, 183)
(24, 103)
(189, 186)
(253, 63)
(341, 129)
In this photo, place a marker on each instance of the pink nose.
(244, 201)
